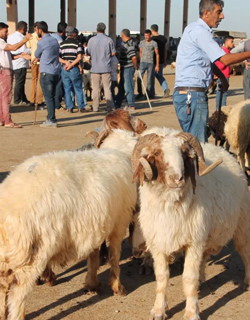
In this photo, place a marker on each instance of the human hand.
(247, 65)
(34, 61)
(224, 85)
(28, 37)
(157, 69)
(26, 56)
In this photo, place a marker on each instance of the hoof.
(120, 292)
(95, 288)
(157, 315)
(245, 287)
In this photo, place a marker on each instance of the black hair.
(126, 32)
(227, 38)
(3, 25)
(21, 24)
(43, 26)
(155, 27)
(148, 31)
(101, 27)
(61, 27)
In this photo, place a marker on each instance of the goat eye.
(156, 153)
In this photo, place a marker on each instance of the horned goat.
(57, 207)
(181, 210)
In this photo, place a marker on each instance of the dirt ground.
(220, 296)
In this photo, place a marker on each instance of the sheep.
(237, 131)
(59, 207)
(181, 210)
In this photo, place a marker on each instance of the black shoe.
(32, 104)
(140, 96)
(70, 110)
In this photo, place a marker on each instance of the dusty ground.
(220, 296)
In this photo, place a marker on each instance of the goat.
(59, 207)
(181, 210)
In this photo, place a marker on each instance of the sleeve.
(155, 44)
(112, 46)
(206, 43)
(38, 51)
(239, 48)
(3, 44)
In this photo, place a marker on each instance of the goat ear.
(114, 124)
(93, 134)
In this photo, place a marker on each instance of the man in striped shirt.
(128, 65)
(71, 56)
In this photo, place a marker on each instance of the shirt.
(100, 48)
(161, 42)
(148, 50)
(57, 37)
(114, 65)
(48, 53)
(195, 52)
(69, 49)
(127, 52)
(20, 62)
(224, 69)
(32, 44)
(5, 56)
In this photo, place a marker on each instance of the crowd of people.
(56, 62)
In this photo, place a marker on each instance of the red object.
(222, 67)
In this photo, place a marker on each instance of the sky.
(90, 12)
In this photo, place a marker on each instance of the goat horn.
(147, 169)
(92, 134)
(203, 168)
(102, 136)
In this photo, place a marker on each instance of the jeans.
(150, 68)
(48, 83)
(126, 85)
(196, 121)
(59, 93)
(159, 76)
(224, 95)
(19, 90)
(72, 81)
(6, 80)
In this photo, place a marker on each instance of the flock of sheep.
(182, 196)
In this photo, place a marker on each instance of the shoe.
(48, 124)
(87, 108)
(127, 108)
(166, 93)
(13, 125)
(40, 106)
(70, 110)
(1, 124)
(140, 96)
(32, 104)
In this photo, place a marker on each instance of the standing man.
(163, 53)
(70, 57)
(148, 48)
(48, 53)
(6, 76)
(128, 65)
(100, 49)
(244, 46)
(228, 46)
(196, 53)
(20, 65)
(36, 94)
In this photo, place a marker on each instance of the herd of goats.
(182, 196)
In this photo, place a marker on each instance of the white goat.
(183, 211)
(57, 207)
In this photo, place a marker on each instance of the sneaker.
(48, 124)
(41, 106)
(127, 108)
(32, 104)
(70, 110)
(166, 93)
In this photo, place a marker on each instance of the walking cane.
(35, 114)
(139, 72)
(219, 114)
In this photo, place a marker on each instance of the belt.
(195, 89)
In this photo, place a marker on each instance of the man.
(36, 94)
(20, 65)
(70, 57)
(244, 46)
(128, 65)
(148, 48)
(6, 77)
(60, 35)
(228, 46)
(162, 47)
(100, 49)
(48, 53)
(196, 51)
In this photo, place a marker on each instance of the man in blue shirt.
(48, 53)
(196, 55)
(101, 48)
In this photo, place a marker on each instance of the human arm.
(232, 58)
(23, 55)
(14, 47)
(140, 52)
(70, 65)
(134, 60)
(165, 54)
(157, 67)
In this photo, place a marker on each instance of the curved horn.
(102, 136)
(93, 134)
(203, 168)
(147, 168)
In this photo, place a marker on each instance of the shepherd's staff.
(219, 114)
(139, 72)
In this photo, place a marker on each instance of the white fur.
(201, 223)
(57, 207)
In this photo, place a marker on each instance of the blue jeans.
(72, 81)
(59, 93)
(150, 68)
(48, 83)
(126, 85)
(224, 95)
(159, 76)
(196, 121)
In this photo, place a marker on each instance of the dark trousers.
(48, 83)
(246, 83)
(19, 90)
(59, 93)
